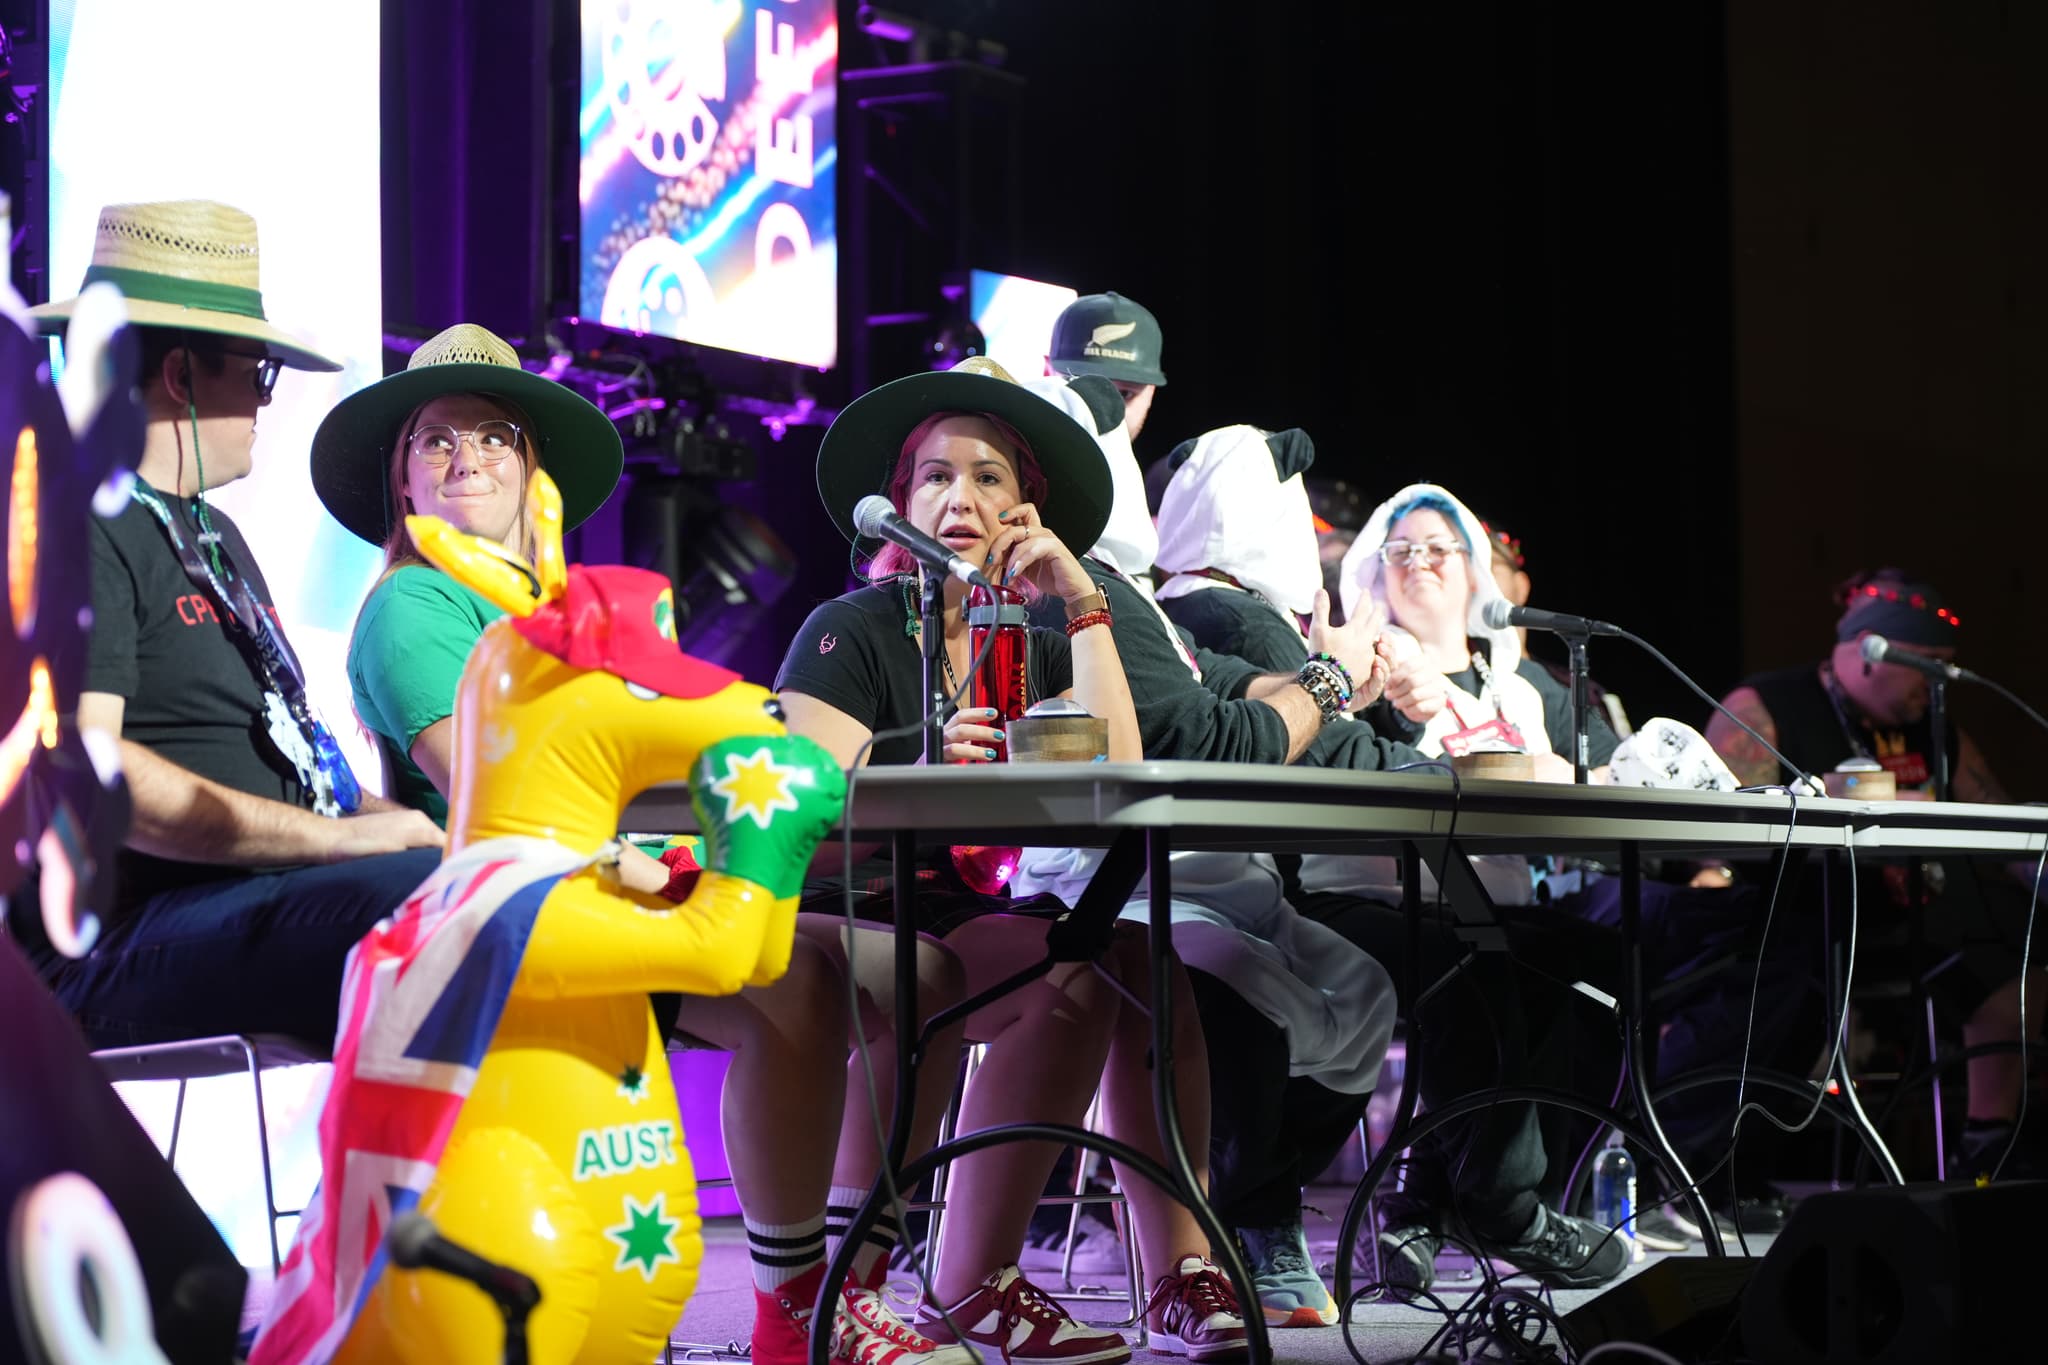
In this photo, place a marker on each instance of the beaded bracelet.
(1085, 620)
(1338, 679)
(1319, 680)
(1343, 673)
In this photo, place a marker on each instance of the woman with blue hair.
(1423, 558)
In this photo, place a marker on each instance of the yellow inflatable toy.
(498, 1067)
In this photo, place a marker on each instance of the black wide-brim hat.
(862, 446)
(576, 443)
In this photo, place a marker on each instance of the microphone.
(413, 1244)
(1878, 650)
(1499, 614)
(873, 516)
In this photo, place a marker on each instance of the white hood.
(1129, 543)
(1227, 508)
(1363, 577)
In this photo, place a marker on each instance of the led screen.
(707, 148)
(1015, 316)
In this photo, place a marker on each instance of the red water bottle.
(1004, 680)
(1004, 683)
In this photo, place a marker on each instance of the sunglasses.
(1408, 553)
(264, 376)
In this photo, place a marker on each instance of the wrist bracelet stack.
(1343, 673)
(1327, 685)
(1085, 620)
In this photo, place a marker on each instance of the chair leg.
(177, 1122)
(1933, 1052)
(263, 1154)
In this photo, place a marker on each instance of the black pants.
(1269, 1133)
(1479, 1032)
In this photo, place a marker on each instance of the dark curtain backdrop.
(1711, 301)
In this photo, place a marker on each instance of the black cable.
(1805, 779)
(887, 1176)
(2026, 950)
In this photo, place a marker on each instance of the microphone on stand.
(874, 516)
(413, 1244)
(1499, 614)
(1878, 650)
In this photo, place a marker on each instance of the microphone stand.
(1937, 718)
(515, 1331)
(1575, 644)
(933, 629)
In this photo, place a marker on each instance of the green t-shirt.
(411, 640)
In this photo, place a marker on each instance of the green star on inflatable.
(647, 1238)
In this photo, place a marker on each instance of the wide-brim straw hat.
(864, 443)
(189, 264)
(352, 451)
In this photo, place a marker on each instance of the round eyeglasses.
(494, 443)
(1409, 553)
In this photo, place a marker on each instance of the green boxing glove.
(764, 803)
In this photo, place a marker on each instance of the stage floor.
(721, 1314)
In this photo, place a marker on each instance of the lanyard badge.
(294, 726)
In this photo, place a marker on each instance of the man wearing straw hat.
(253, 862)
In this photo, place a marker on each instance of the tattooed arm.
(1974, 782)
(1750, 761)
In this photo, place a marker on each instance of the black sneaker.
(1408, 1255)
(1564, 1252)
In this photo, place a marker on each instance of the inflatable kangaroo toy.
(498, 1067)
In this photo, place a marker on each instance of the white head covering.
(1129, 543)
(1363, 577)
(1227, 508)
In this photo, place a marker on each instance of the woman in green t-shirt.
(457, 435)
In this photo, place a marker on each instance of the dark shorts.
(943, 902)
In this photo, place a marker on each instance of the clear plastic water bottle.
(1614, 1191)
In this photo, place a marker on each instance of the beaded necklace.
(912, 630)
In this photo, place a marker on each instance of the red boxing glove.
(683, 871)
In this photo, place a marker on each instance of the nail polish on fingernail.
(999, 734)
(990, 752)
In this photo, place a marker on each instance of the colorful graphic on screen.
(1015, 316)
(707, 151)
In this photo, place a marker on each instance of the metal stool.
(194, 1059)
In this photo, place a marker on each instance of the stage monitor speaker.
(1684, 1306)
(1913, 1275)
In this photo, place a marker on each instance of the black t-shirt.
(1812, 733)
(855, 653)
(163, 644)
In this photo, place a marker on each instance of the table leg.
(903, 848)
(1634, 1002)
(1222, 1246)
(1839, 974)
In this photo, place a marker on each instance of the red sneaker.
(1012, 1317)
(1193, 1312)
(782, 1320)
(864, 1330)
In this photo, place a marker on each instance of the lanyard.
(322, 766)
(1485, 674)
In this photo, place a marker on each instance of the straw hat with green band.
(189, 264)
(864, 443)
(577, 444)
